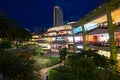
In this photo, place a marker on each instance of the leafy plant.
(15, 67)
(37, 51)
(6, 44)
(57, 74)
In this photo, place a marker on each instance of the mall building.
(58, 36)
(101, 30)
(98, 30)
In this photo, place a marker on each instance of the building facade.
(57, 16)
(96, 32)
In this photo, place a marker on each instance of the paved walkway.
(43, 72)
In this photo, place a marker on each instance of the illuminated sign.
(64, 27)
(77, 30)
(80, 47)
(88, 27)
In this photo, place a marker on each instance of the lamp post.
(73, 34)
(60, 55)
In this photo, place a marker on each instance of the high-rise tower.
(57, 16)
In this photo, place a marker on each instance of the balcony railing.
(100, 43)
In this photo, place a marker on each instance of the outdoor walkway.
(43, 72)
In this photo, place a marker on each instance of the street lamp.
(60, 55)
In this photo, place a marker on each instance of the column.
(73, 34)
(111, 28)
(85, 46)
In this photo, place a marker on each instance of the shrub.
(6, 44)
(15, 67)
(25, 46)
(25, 55)
(37, 51)
(82, 68)
(88, 65)
(57, 74)
(54, 60)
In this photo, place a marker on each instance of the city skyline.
(40, 13)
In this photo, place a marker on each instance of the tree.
(21, 35)
(87, 64)
(82, 67)
(10, 30)
(63, 54)
(6, 44)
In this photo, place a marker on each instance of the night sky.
(30, 13)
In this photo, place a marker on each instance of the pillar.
(111, 28)
(85, 46)
(73, 34)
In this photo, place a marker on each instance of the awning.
(79, 34)
(59, 42)
(61, 35)
(98, 31)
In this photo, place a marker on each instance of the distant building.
(39, 30)
(57, 16)
(27, 29)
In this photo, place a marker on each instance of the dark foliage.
(6, 44)
(9, 30)
(16, 67)
(58, 74)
